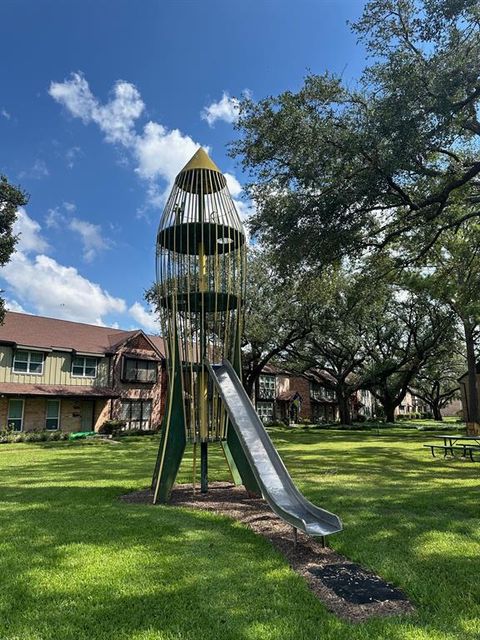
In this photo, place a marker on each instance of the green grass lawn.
(76, 563)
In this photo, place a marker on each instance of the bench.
(444, 448)
(465, 448)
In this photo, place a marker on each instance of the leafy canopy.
(10, 199)
(337, 169)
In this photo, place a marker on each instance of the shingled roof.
(50, 333)
(56, 390)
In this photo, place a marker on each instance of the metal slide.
(270, 472)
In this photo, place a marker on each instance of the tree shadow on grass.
(77, 563)
(411, 518)
(121, 570)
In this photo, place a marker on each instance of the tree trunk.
(343, 408)
(436, 411)
(389, 408)
(248, 384)
(472, 417)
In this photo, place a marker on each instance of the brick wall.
(139, 348)
(101, 412)
(35, 409)
(3, 413)
(302, 386)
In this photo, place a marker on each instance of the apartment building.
(57, 374)
(286, 397)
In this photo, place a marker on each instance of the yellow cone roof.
(200, 160)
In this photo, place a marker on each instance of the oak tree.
(11, 198)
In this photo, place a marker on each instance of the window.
(15, 415)
(28, 362)
(318, 392)
(139, 370)
(266, 386)
(84, 367)
(52, 421)
(330, 394)
(136, 413)
(265, 411)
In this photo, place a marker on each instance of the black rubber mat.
(352, 583)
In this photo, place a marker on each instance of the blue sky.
(102, 103)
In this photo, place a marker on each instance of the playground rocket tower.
(201, 254)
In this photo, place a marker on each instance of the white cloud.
(159, 153)
(52, 289)
(144, 318)
(91, 236)
(28, 230)
(5, 114)
(226, 109)
(76, 96)
(244, 207)
(13, 305)
(71, 156)
(116, 118)
(58, 291)
(37, 171)
(233, 185)
(53, 218)
(69, 206)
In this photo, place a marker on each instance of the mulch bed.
(349, 591)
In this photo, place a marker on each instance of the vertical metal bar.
(194, 479)
(204, 467)
(203, 390)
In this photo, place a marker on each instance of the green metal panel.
(172, 440)
(235, 452)
(184, 238)
(237, 478)
(232, 447)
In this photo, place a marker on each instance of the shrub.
(31, 436)
(109, 426)
(56, 436)
(37, 435)
(275, 423)
(133, 432)
(305, 421)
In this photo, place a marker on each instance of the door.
(86, 415)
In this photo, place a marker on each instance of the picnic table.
(467, 444)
